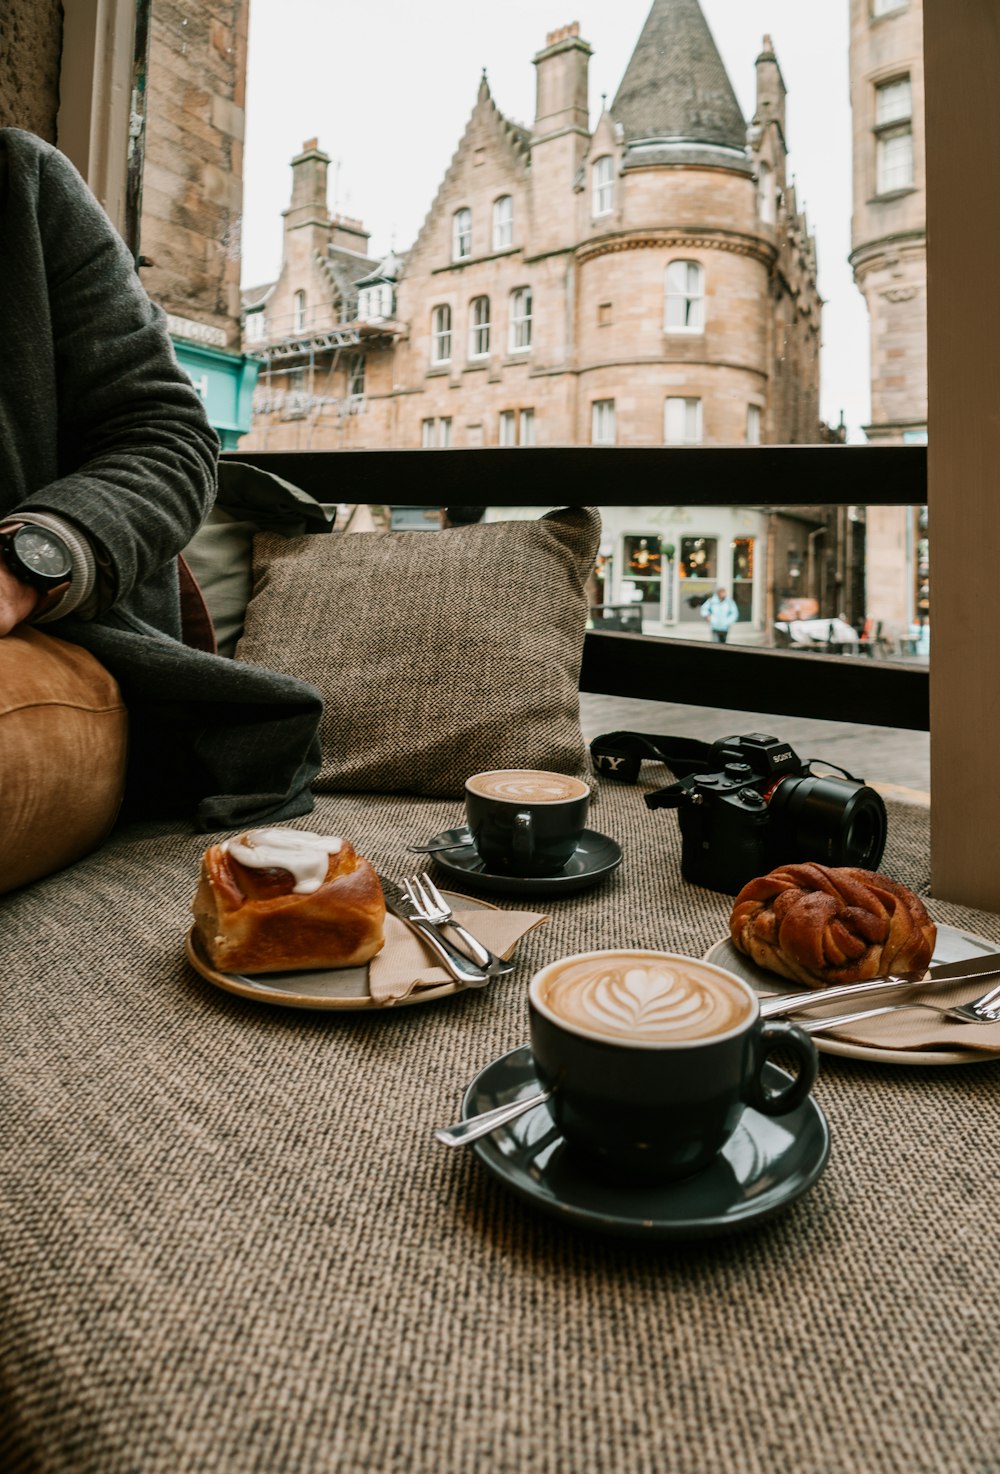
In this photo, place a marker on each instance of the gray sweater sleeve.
(140, 455)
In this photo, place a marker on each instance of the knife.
(462, 969)
(779, 1004)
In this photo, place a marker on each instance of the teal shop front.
(225, 382)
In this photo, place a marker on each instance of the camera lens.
(831, 820)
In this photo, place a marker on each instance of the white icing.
(306, 856)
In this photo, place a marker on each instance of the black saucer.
(768, 1163)
(595, 856)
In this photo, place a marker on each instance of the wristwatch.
(37, 557)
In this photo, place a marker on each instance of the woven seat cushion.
(438, 654)
(63, 746)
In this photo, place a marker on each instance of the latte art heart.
(628, 996)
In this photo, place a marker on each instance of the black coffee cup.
(526, 821)
(652, 1058)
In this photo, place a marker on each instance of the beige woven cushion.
(438, 654)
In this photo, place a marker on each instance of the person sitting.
(110, 692)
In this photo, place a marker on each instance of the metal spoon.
(451, 839)
(481, 1125)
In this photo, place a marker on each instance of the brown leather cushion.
(63, 746)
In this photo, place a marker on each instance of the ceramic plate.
(767, 1163)
(596, 856)
(344, 988)
(952, 946)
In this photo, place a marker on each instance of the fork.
(984, 1010)
(434, 909)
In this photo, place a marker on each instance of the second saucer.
(595, 857)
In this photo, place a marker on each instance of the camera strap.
(620, 755)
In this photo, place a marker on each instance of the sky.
(388, 88)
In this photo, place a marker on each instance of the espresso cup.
(526, 821)
(652, 1057)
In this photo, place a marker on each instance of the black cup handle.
(775, 1034)
(522, 836)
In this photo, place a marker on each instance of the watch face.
(41, 553)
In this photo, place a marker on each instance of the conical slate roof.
(675, 86)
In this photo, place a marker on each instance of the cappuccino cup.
(526, 821)
(652, 1058)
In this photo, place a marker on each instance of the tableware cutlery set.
(461, 967)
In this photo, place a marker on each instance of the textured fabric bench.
(229, 1242)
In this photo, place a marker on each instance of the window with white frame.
(753, 424)
(516, 427)
(299, 313)
(603, 176)
(375, 302)
(503, 222)
(436, 433)
(602, 422)
(356, 375)
(765, 192)
(461, 234)
(886, 7)
(520, 320)
(893, 136)
(682, 421)
(255, 327)
(441, 334)
(685, 300)
(479, 327)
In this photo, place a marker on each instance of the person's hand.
(18, 600)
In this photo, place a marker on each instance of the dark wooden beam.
(610, 476)
(836, 688)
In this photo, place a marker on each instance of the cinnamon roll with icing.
(819, 925)
(284, 900)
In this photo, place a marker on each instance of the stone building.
(153, 118)
(646, 281)
(889, 258)
(192, 196)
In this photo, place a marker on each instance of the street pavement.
(894, 761)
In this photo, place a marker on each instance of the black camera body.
(758, 806)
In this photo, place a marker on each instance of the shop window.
(743, 572)
(696, 572)
(642, 571)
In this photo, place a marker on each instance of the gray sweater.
(99, 426)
